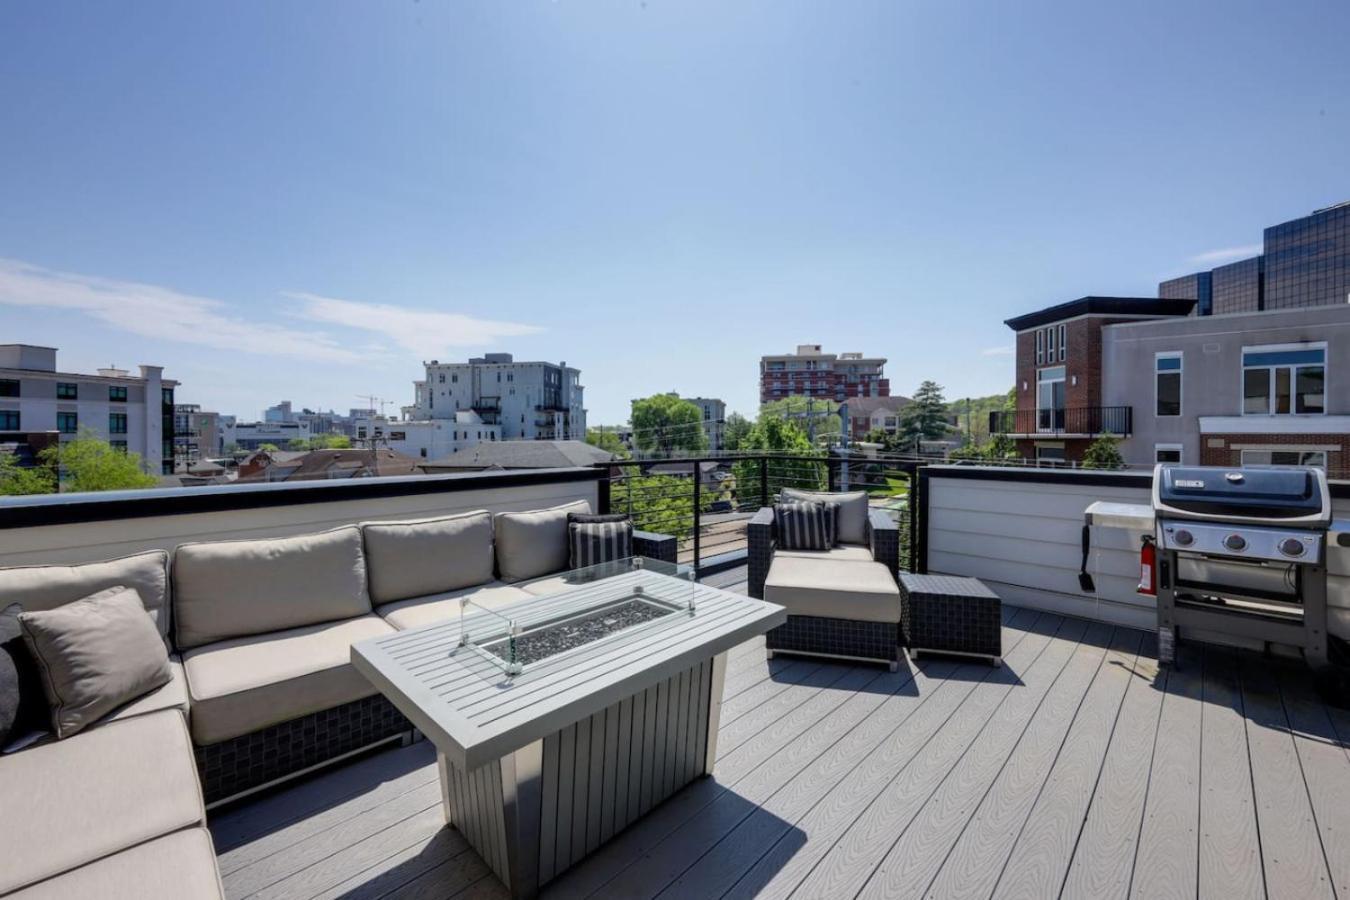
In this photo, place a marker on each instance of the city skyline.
(271, 204)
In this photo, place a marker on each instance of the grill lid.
(1274, 493)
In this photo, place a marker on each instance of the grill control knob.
(1235, 542)
(1292, 547)
(1183, 538)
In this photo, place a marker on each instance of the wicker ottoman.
(949, 614)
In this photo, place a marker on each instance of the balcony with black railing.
(1087, 421)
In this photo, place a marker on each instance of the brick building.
(812, 373)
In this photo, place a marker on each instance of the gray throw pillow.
(94, 655)
(23, 705)
(850, 511)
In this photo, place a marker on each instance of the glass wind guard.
(610, 604)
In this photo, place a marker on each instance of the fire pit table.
(560, 720)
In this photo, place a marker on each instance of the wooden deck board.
(1078, 770)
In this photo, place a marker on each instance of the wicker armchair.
(842, 603)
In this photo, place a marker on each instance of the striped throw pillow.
(804, 525)
(593, 543)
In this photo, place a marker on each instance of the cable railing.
(706, 501)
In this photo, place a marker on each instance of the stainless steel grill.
(1242, 554)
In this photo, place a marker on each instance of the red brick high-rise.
(828, 376)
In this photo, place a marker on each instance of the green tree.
(1104, 453)
(660, 503)
(664, 425)
(925, 418)
(297, 444)
(269, 448)
(782, 437)
(89, 463)
(734, 431)
(815, 415)
(16, 479)
(330, 441)
(606, 440)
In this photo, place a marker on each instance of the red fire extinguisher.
(1148, 567)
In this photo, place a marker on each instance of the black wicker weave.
(836, 637)
(248, 761)
(664, 547)
(945, 613)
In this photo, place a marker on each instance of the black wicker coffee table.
(950, 614)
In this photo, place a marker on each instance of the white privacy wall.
(82, 542)
(1020, 532)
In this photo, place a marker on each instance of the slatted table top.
(475, 713)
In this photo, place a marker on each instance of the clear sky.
(304, 200)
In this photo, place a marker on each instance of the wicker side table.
(949, 614)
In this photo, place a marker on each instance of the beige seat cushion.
(230, 589)
(835, 589)
(434, 608)
(71, 802)
(534, 543)
(841, 552)
(178, 866)
(95, 655)
(242, 685)
(413, 559)
(173, 695)
(47, 587)
(850, 517)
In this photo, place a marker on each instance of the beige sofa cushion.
(172, 695)
(428, 610)
(46, 587)
(534, 543)
(230, 589)
(71, 802)
(413, 559)
(95, 655)
(834, 589)
(845, 552)
(850, 521)
(244, 684)
(178, 866)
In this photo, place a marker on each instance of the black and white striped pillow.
(804, 525)
(593, 543)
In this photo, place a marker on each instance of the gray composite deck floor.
(1075, 770)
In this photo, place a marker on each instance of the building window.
(66, 390)
(118, 445)
(1054, 455)
(1063, 342)
(1050, 399)
(1289, 457)
(166, 396)
(1040, 346)
(1050, 344)
(1167, 453)
(441, 377)
(9, 420)
(117, 394)
(67, 422)
(1281, 380)
(117, 423)
(1167, 384)
(9, 387)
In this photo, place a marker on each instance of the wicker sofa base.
(249, 761)
(836, 638)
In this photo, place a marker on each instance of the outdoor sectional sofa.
(262, 687)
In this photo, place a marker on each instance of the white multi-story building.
(425, 438)
(714, 413)
(132, 412)
(252, 435)
(528, 400)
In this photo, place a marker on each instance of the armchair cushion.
(850, 512)
(833, 589)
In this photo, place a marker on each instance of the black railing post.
(698, 492)
(603, 499)
(832, 474)
(763, 481)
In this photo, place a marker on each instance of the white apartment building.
(252, 435)
(714, 414)
(532, 401)
(425, 438)
(132, 412)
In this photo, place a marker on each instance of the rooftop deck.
(1074, 770)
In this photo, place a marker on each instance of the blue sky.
(304, 200)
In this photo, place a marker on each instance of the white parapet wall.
(1020, 531)
(73, 528)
